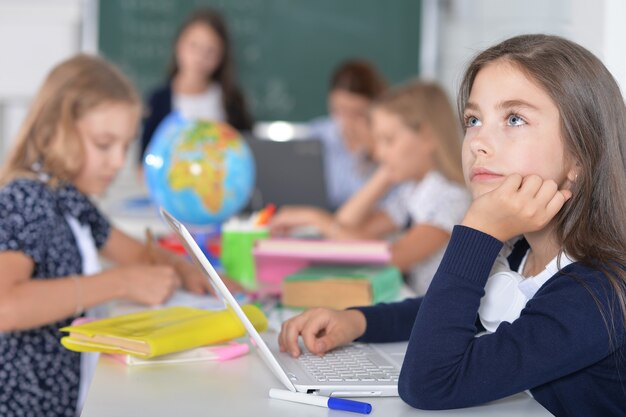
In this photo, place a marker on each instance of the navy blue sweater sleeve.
(560, 331)
(389, 322)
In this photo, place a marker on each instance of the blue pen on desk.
(320, 401)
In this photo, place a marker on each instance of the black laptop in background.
(287, 173)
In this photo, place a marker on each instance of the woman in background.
(201, 82)
(345, 133)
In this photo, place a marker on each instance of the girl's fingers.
(530, 186)
(290, 333)
(282, 345)
(546, 192)
(311, 330)
(281, 342)
(557, 202)
(327, 342)
(511, 183)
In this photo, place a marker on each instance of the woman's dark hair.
(359, 77)
(591, 227)
(237, 113)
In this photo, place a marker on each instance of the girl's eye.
(515, 120)
(471, 121)
(103, 146)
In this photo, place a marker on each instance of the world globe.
(202, 172)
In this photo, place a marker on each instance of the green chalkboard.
(285, 50)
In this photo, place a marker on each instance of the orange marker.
(265, 215)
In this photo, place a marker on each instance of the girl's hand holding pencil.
(148, 284)
(187, 274)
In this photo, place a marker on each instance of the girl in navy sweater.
(545, 158)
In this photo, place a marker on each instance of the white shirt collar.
(507, 291)
(86, 245)
(531, 285)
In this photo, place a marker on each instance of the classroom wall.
(36, 34)
(613, 32)
(276, 44)
(469, 26)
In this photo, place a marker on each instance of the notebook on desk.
(355, 370)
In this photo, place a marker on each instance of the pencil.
(150, 246)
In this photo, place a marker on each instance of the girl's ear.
(572, 175)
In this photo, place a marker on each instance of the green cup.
(236, 254)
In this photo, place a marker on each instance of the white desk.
(237, 388)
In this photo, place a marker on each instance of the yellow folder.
(157, 332)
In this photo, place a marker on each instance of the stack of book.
(277, 258)
(341, 286)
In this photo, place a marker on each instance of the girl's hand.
(150, 285)
(322, 329)
(194, 280)
(383, 177)
(295, 216)
(519, 205)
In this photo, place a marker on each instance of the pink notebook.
(277, 258)
(219, 353)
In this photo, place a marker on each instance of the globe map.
(202, 172)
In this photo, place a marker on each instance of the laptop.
(356, 370)
(288, 173)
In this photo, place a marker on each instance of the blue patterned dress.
(38, 376)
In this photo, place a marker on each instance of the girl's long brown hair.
(591, 227)
(48, 136)
(234, 102)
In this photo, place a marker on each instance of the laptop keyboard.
(353, 363)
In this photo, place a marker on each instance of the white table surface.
(237, 388)
(234, 388)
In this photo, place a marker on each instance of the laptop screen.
(290, 172)
(222, 291)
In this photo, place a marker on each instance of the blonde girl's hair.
(48, 138)
(420, 103)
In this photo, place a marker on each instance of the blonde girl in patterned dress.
(71, 146)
